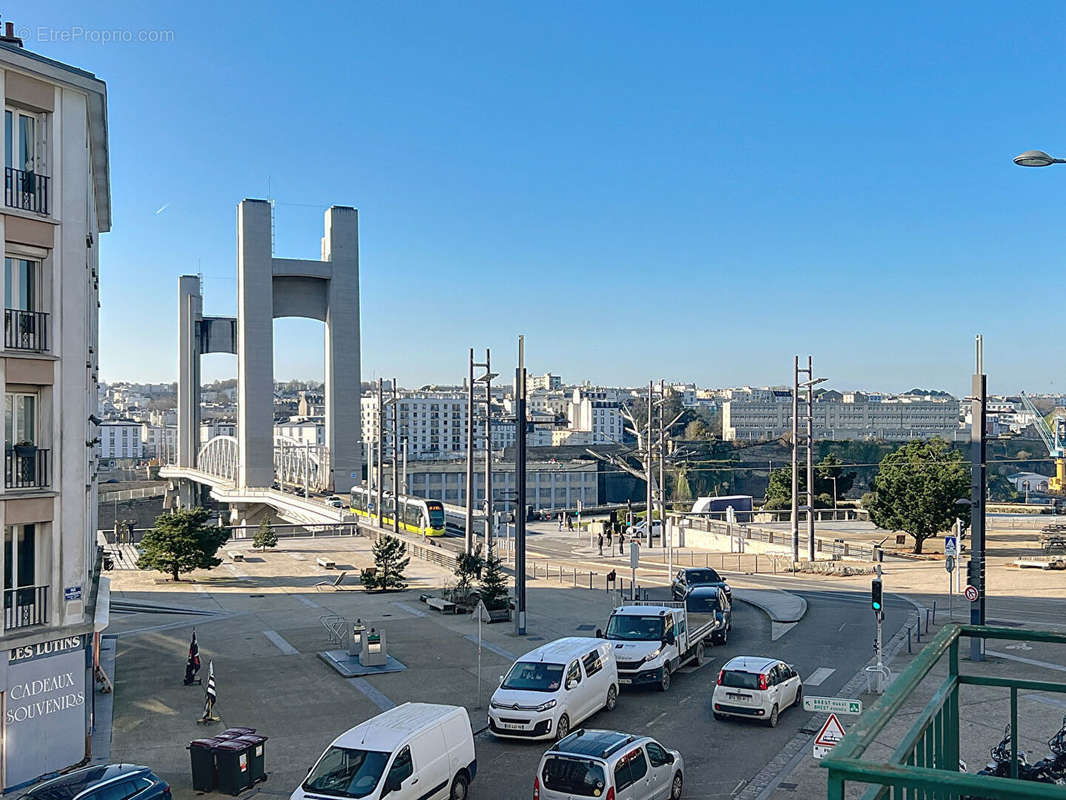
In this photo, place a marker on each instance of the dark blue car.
(105, 782)
(690, 577)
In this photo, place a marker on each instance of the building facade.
(120, 439)
(549, 485)
(597, 411)
(850, 416)
(55, 206)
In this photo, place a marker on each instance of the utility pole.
(978, 403)
(470, 457)
(795, 461)
(520, 492)
(662, 461)
(381, 447)
(648, 463)
(488, 454)
(810, 459)
(395, 461)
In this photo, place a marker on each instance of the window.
(401, 768)
(20, 419)
(592, 663)
(657, 755)
(630, 769)
(21, 283)
(573, 675)
(20, 140)
(20, 556)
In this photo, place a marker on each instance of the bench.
(334, 584)
(235, 555)
(326, 563)
(441, 605)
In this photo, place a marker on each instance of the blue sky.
(692, 190)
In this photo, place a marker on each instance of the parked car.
(417, 750)
(691, 577)
(336, 502)
(549, 690)
(606, 764)
(106, 782)
(750, 686)
(640, 530)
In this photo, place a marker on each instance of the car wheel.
(664, 681)
(699, 654)
(612, 699)
(799, 697)
(459, 785)
(772, 721)
(562, 727)
(677, 786)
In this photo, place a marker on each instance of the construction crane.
(1054, 441)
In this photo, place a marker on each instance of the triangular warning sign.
(831, 733)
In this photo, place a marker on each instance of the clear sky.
(689, 190)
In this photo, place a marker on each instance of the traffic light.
(875, 594)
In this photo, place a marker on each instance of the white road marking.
(1022, 659)
(657, 718)
(307, 601)
(375, 697)
(285, 648)
(779, 629)
(818, 677)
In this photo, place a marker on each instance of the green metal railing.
(925, 765)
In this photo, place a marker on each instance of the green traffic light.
(876, 594)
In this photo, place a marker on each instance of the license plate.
(625, 681)
(744, 697)
(510, 726)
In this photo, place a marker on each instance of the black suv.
(691, 577)
(105, 782)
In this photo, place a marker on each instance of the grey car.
(611, 766)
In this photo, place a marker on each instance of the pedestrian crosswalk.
(819, 676)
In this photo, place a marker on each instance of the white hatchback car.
(751, 686)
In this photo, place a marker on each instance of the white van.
(553, 688)
(417, 751)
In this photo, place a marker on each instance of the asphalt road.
(835, 637)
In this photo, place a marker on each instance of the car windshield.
(573, 776)
(635, 628)
(345, 772)
(534, 676)
(697, 576)
(740, 680)
(702, 601)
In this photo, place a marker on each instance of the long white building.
(767, 414)
(55, 206)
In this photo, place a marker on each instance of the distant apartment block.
(546, 382)
(120, 439)
(548, 485)
(762, 415)
(597, 411)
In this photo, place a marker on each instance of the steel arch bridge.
(296, 464)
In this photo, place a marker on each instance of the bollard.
(590, 577)
(918, 630)
(908, 639)
(927, 620)
(934, 612)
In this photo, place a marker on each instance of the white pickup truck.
(652, 639)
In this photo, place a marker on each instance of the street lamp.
(1037, 158)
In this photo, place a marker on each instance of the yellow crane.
(1055, 442)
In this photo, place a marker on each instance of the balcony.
(25, 607)
(26, 190)
(26, 467)
(25, 330)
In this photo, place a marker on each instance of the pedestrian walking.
(608, 539)
(599, 543)
(560, 520)
(569, 523)
(621, 544)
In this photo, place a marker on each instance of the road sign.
(949, 563)
(971, 593)
(831, 733)
(951, 546)
(832, 705)
(821, 751)
(634, 555)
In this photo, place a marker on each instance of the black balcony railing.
(26, 190)
(26, 467)
(25, 330)
(25, 607)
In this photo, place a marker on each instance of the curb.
(771, 609)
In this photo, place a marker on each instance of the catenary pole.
(395, 461)
(488, 454)
(795, 460)
(810, 459)
(381, 446)
(470, 456)
(520, 491)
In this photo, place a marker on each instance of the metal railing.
(925, 764)
(26, 190)
(780, 538)
(25, 607)
(26, 469)
(25, 330)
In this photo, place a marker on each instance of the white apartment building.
(433, 425)
(304, 431)
(546, 382)
(159, 441)
(209, 429)
(851, 417)
(120, 439)
(598, 411)
(556, 403)
(55, 205)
